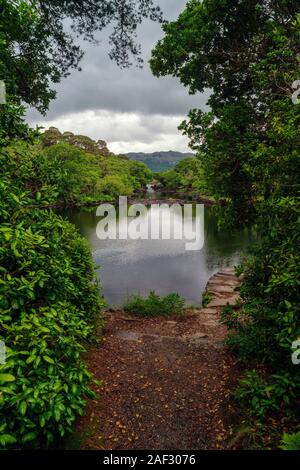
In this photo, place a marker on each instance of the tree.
(245, 52)
(37, 49)
(186, 178)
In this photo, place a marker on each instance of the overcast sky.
(130, 109)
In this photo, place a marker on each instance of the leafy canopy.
(38, 40)
(247, 54)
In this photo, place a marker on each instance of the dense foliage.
(154, 305)
(186, 179)
(247, 54)
(38, 46)
(53, 136)
(82, 177)
(49, 302)
(291, 441)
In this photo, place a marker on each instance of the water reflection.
(139, 266)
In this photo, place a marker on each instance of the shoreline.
(131, 200)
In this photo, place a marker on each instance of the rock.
(229, 269)
(225, 273)
(129, 335)
(225, 281)
(209, 311)
(220, 288)
(222, 302)
(213, 323)
(195, 338)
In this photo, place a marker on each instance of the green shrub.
(186, 178)
(49, 302)
(269, 322)
(291, 441)
(154, 305)
(263, 395)
(206, 298)
(115, 186)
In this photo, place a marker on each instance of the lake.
(164, 266)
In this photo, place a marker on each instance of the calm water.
(140, 266)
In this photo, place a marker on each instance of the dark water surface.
(164, 266)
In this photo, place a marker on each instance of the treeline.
(186, 179)
(247, 54)
(85, 171)
(64, 175)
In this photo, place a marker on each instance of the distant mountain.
(158, 161)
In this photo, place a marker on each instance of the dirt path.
(166, 382)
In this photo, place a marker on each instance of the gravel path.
(165, 381)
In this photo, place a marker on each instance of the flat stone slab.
(221, 302)
(220, 288)
(224, 273)
(225, 276)
(212, 323)
(195, 337)
(209, 311)
(225, 281)
(227, 269)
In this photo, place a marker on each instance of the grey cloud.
(126, 132)
(102, 85)
(131, 109)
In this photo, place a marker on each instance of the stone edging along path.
(166, 382)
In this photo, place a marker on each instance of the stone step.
(225, 273)
(208, 311)
(225, 281)
(220, 288)
(221, 302)
(212, 323)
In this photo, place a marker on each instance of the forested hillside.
(158, 161)
(86, 171)
(186, 179)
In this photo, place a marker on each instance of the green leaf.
(30, 436)
(7, 439)
(23, 408)
(30, 359)
(56, 414)
(48, 359)
(7, 378)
